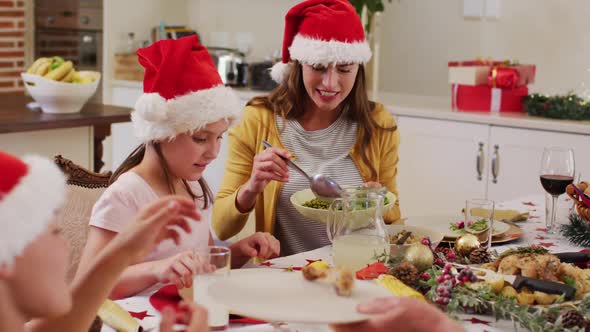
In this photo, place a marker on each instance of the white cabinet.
(520, 152)
(439, 170)
(438, 165)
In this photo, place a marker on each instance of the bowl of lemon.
(58, 87)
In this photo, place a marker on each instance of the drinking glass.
(479, 220)
(219, 258)
(557, 171)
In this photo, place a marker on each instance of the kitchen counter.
(440, 108)
(16, 117)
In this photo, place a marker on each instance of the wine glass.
(557, 171)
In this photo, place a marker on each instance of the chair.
(84, 189)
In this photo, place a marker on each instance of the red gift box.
(500, 74)
(483, 98)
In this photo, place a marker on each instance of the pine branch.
(577, 231)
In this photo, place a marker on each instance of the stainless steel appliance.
(71, 29)
(231, 65)
(260, 76)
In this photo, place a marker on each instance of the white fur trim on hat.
(279, 71)
(316, 51)
(26, 211)
(156, 118)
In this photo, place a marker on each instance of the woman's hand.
(262, 245)
(400, 313)
(267, 166)
(193, 315)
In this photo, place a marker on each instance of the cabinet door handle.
(495, 164)
(479, 161)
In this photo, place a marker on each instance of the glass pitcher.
(356, 228)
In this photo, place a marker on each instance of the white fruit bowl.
(59, 97)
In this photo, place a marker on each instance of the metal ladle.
(320, 184)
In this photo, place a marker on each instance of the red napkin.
(168, 296)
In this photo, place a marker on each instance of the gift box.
(496, 74)
(482, 98)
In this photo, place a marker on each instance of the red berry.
(425, 276)
(447, 277)
(439, 279)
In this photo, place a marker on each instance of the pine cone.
(587, 325)
(406, 273)
(573, 318)
(479, 256)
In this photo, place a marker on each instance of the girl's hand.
(178, 269)
(262, 245)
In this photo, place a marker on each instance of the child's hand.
(152, 226)
(262, 245)
(193, 315)
(178, 269)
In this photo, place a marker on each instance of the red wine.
(555, 184)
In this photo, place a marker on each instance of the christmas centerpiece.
(458, 288)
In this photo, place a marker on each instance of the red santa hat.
(182, 91)
(322, 32)
(31, 190)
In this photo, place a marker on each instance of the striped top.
(323, 151)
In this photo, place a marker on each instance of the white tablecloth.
(534, 233)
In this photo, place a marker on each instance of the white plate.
(279, 296)
(442, 224)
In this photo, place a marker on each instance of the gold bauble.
(420, 256)
(466, 243)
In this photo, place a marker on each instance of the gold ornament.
(420, 256)
(466, 243)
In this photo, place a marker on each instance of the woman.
(319, 115)
(180, 118)
(34, 256)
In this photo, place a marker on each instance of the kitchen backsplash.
(12, 45)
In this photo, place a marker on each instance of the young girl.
(34, 256)
(180, 118)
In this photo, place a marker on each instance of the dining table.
(144, 307)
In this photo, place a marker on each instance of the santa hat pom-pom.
(151, 107)
(279, 71)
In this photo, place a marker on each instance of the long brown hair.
(136, 156)
(289, 98)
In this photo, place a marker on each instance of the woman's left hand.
(261, 245)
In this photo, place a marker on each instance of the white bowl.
(396, 249)
(59, 97)
(321, 215)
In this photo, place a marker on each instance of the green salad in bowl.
(308, 205)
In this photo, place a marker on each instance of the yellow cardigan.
(245, 141)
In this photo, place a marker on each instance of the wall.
(226, 22)
(419, 37)
(139, 17)
(12, 44)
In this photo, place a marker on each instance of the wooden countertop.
(16, 117)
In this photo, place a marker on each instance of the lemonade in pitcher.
(356, 228)
(355, 251)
